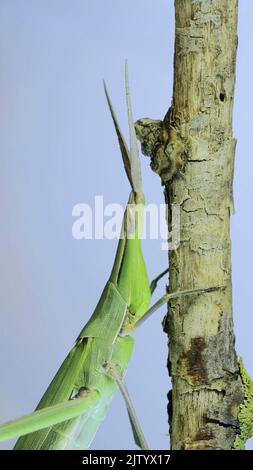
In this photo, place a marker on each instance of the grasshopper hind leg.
(135, 425)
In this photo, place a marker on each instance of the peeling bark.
(207, 388)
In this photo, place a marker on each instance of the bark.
(192, 150)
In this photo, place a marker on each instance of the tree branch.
(193, 150)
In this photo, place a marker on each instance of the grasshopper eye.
(82, 392)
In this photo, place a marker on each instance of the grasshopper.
(77, 399)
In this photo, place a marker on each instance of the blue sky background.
(58, 148)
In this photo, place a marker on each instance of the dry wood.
(193, 151)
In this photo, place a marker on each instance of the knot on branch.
(161, 141)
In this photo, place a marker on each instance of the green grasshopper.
(77, 400)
